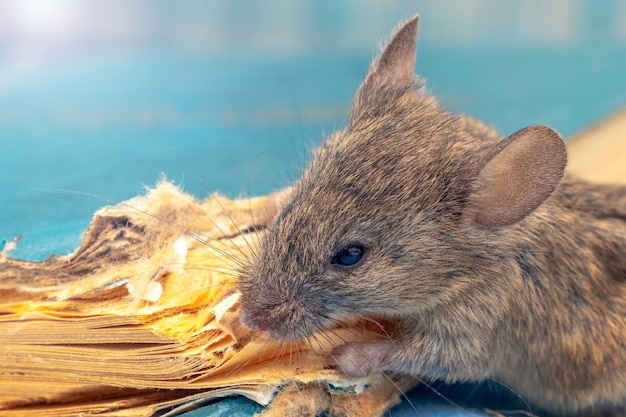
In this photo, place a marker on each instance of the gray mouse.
(487, 260)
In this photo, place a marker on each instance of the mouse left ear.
(518, 175)
(395, 66)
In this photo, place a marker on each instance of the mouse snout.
(254, 322)
(284, 315)
(266, 322)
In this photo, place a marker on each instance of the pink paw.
(361, 359)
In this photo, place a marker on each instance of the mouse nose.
(261, 325)
(254, 322)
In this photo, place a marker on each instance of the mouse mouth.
(349, 330)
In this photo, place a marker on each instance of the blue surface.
(101, 97)
(435, 400)
(227, 407)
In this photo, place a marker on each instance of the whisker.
(212, 194)
(227, 213)
(517, 395)
(197, 237)
(439, 394)
(498, 413)
(401, 391)
(377, 324)
(246, 230)
(218, 271)
(302, 136)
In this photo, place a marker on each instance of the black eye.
(349, 255)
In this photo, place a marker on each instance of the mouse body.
(487, 260)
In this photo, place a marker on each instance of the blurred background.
(102, 97)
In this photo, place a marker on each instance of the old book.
(143, 318)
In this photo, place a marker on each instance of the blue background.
(102, 97)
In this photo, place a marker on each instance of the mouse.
(486, 259)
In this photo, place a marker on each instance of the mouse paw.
(361, 359)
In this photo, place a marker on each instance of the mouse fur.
(487, 259)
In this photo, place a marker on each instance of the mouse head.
(384, 221)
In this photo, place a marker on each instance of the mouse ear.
(395, 66)
(518, 175)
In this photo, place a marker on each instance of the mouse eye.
(349, 255)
